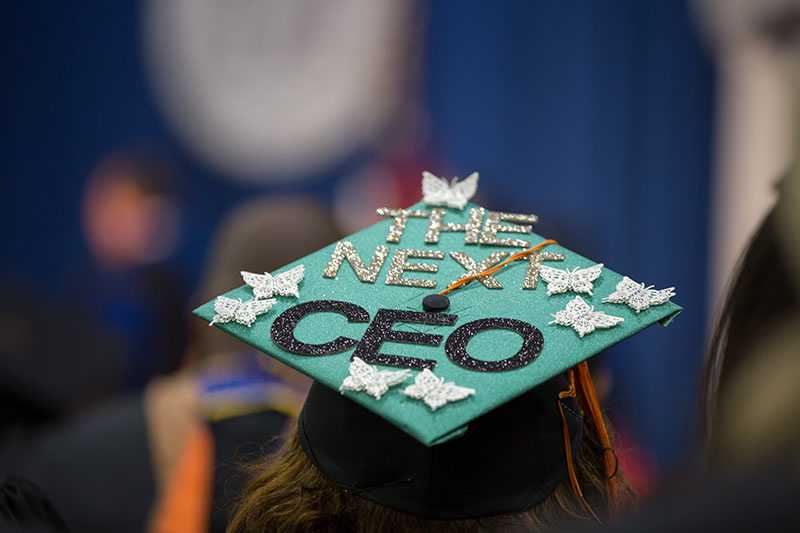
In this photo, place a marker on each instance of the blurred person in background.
(53, 360)
(750, 395)
(131, 223)
(246, 399)
(166, 458)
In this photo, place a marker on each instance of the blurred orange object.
(186, 503)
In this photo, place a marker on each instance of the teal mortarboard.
(363, 317)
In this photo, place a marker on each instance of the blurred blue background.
(596, 116)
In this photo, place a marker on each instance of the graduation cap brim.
(562, 348)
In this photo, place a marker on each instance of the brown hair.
(287, 493)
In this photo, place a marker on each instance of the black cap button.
(433, 303)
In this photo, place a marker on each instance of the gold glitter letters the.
(534, 262)
(400, 220)
(493, 226)
(471, 229)
(474, 268)
(346, 250)
(400, 264)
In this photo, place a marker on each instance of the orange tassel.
(589, 396)
(492, 270)
(573, 477)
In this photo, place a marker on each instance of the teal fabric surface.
(562, 347)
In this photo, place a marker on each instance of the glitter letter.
(283, 327)
(380, 330)
(471, 229)
(475, 268)
(534, 262)
(400, 220)
(346, 250)
(492, 227)
(399, 265)
(456, 345)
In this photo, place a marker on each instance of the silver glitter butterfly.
(434, 391)
(575, 280)
(637, 296)
(244, 313)
(583, 318)
(284, 284)
(436, 190)
(376, 383)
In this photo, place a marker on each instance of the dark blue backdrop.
(594, 115)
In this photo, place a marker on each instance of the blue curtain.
(596, 116)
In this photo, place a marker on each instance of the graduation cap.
(442, 405)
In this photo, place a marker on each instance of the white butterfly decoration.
(244, 313)
(583, 318)
(436, 190)
(376, 383)
(434, 391)
(637, 296)
(575, 280)
(284, 284)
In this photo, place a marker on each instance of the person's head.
(260, 235)
(129, 213)
(507, 471)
